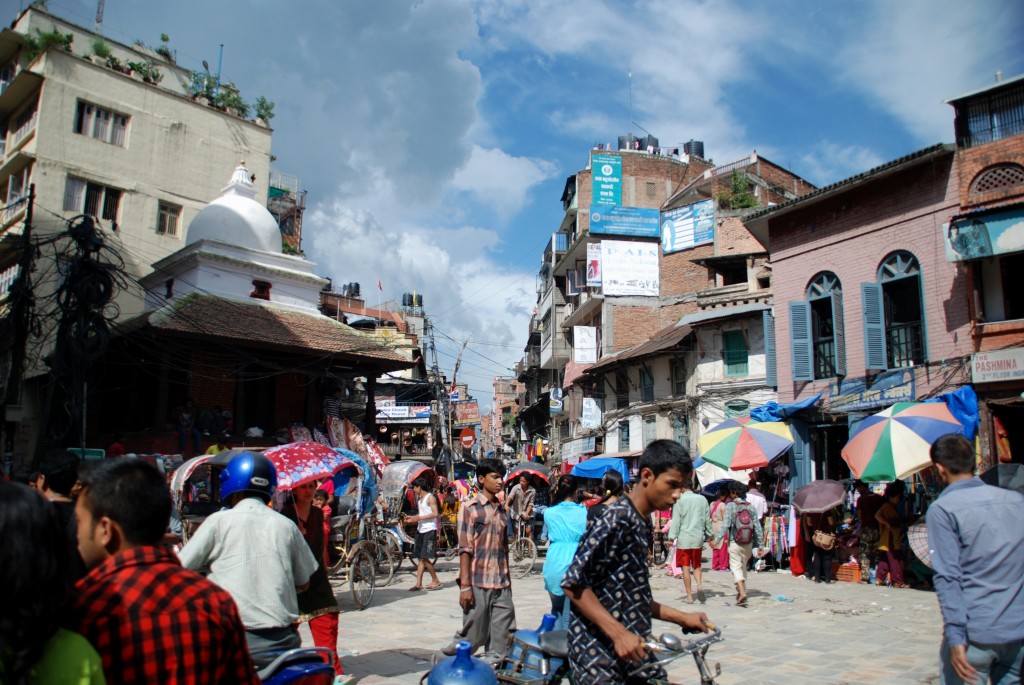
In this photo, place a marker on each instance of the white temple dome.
(237, 218)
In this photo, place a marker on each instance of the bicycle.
(522, 552)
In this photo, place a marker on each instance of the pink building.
(867, 309)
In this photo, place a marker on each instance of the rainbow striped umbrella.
(744, 443)
(895, 443)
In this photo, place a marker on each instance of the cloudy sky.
(435, 136)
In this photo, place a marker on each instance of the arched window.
(997, 178)
(816, 330)
(895, 308)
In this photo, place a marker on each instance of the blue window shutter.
(838, 332)
(801, 462)
(771, 374)
(875, 356)
(802, 350)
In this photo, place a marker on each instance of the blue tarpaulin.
(773, 411)
(963, 405)
(597, 466)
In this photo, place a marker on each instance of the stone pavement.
(837, 634)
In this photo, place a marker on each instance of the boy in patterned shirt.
(609, 580)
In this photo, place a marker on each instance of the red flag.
(379, 286)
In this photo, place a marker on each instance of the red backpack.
(743, 527)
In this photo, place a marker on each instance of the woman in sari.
(720, 556)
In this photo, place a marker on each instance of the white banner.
(584, 344)
(591, 413)
(629, 268)
(998, 365)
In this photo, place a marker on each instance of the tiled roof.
(213, 318)
(670, 336)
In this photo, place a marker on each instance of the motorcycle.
(305, 666)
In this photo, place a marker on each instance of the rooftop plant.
(45, 40)
(264, 108)
(100, 48)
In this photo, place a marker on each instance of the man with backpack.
(744, 529)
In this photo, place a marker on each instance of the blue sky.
(435, 136)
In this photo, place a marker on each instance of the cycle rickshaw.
(396, 491)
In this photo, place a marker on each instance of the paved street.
(838, 634)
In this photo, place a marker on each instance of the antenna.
(630, 74)
(100, 4)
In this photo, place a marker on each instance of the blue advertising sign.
(606, 179)
(890, 387)
(639, 222)
(685, 227)
(985, 235)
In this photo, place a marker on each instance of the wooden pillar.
(370, 422)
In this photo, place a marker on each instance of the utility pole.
(455, 375)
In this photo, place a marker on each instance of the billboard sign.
(638, 222)
(998, 365)
(591, 416)
(686, 227)
(629, 268)
(888, 387)
(594, 265)
(992, 233)
(584, 344)
(467, 413)
(606, 179)
(555, 401)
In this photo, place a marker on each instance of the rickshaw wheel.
(522, 555)
(362, 577)
(340, 560)
(394, 545)
(385, 564)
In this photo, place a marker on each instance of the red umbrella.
(298, 463)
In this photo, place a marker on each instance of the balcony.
(18, 136)
(584, 306)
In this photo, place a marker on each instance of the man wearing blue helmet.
(256, 554)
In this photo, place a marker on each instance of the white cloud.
(499, 179)
(829, 162)
(1011, 240)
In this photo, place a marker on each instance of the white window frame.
(76, 196)
(162, 212)
(100, 123)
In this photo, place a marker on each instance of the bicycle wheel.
(337, 558)
(385, 564)
(451, 542)
(389, 539)
(522, 554)
(362, 577)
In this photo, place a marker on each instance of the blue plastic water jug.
(526, 648)
(462, 669)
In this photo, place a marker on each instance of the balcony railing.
(905, 345)
(18, 135)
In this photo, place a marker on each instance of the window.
(99, 123)
(91, 198)
(17, 186)
(893, 315)
(624, 436)
(677, 370)
(652, 189)
(260, 290)
(817, 332)
(996, 178)
(681, 429)
(735, 353)
(650, 429)
(167, 219)
(621, 388)
(990, 118)
(737, 408)
(646, 385)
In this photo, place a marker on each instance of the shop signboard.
(574, 449)
(636, 222)
(404, 413)
(984, 235)
(584, 344)
(997, 366)
(555, 401)
(594, 265)
(467, 413)
(685, 227)
(629, 268)
(874, 392)
(606, 179)
(590, 417)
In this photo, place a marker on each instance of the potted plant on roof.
(45, 40)
(264, 110)
(100, 52)
(164, 51)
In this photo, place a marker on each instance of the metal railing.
(22, 132)
(824, 358)
(905, 344)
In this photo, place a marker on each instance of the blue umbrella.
(715, 487)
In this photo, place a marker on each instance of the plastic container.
(871, 578)
(462, 669)
(525, 656)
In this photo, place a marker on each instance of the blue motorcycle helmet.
(249, 473)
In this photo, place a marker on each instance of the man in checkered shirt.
(150, 619)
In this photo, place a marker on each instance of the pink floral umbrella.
(298, 463)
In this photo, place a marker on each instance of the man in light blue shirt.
(976, 542)
(690, 527)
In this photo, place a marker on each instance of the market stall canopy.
(743, 443)
(896, 442)
(819, 496)
(597, 466)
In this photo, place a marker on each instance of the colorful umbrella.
(917, 538)
(531, 468)
(895, 443)
(298, 463)
(819, 496)
(744, 443)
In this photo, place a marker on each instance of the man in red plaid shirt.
(149, 619)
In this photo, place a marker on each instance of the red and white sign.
(468, 438)
(998, 365)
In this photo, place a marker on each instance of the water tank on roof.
(649, 141)
(694, 148)
(629, 142)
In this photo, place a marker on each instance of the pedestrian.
(59, 475)
(977, 552)
(743, 528)
(520, 503)
(821, 553)
(868, 504)
(611, 491)
(219, 445)
(608, 581)
(149, 619)
(34, 590)
(485, 587)
(256, 554)
(187, 417)
(332, 406)
(691, 526)
(890, 539)
(317, 604)
(720, 555)
(756, 499)
(566, 522)
(425, 545)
